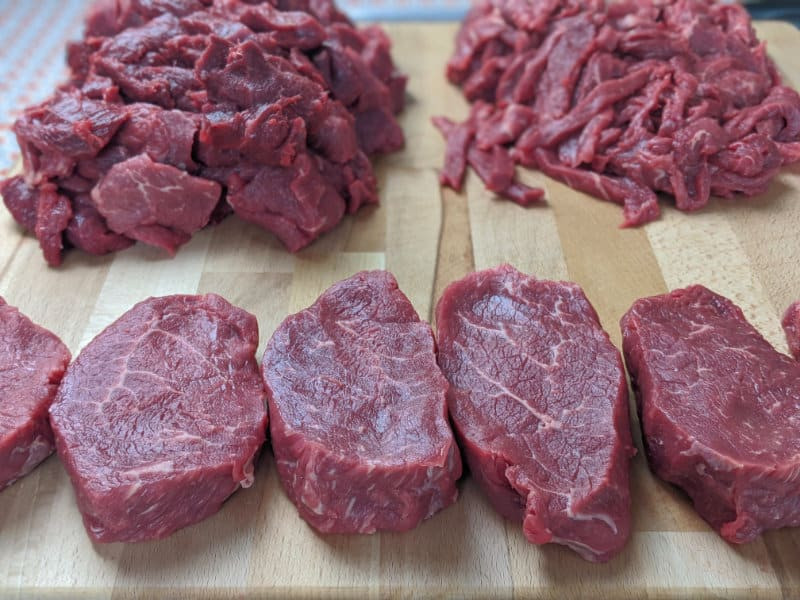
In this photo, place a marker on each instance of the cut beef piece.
(357, 407)
(42, 211)
(719, 410)
(539, 401)
(161, 417)
(54, 135)
(154, 203)
(791, 325)
(32, 362)
(621, 100)
(88, 230)
(220, 90)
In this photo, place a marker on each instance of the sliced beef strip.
(32, 363)
(539, 401)
(719, 410)
(161, 417)
(358, 415)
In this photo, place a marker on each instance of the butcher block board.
(257, 546)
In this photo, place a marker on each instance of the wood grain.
(257, 546)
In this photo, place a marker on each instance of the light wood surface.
(257, 545)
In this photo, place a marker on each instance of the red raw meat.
(232, 92)
(358, 418)
(622, 100)
(791, 325)
(32, 363)
(161, 417)
(719, 410)
(539, 401)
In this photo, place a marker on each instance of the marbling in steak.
(32, 362)
(540, 404)
(720, 410)
(161, 417)
(358, 418)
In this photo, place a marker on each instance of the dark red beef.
(155, 203)
(296, 203)
(42, 211)
(791, 325)
(161, 417)
(719, 410)
(358, 418)
(32, 363)
(539, 401)
(223, 90)
(623, 100)
(108, 17)
(56, 134)
(89, 231)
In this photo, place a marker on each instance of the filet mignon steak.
(32, 363)
(720, 410)
(539, 401)
(358, 418)
(161, 417)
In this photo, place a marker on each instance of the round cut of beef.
(32, 363)
(358, 419)
(161, 417)
(720, 410)
(539, 401)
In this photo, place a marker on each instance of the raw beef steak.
(720, 410)
(791, 325)
(540, 405)
(161, 417)
(358, 414)
(32, 362)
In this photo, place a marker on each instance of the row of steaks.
(162, 416)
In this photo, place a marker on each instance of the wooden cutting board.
(257, 546)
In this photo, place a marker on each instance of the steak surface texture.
(720, 410)
(180, 112)
(161, 417)
(358, 418)
(32, 363)
(624, 100)
(539, 401)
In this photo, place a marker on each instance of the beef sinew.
(358, 418)
(32, 362)
(720, 410)
(622, 100)
(161, 417)
(539, 401)
(178, 113)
